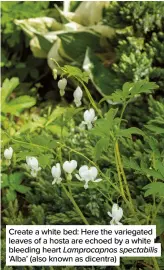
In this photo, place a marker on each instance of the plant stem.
(69, 195)
(156, 267)
(105, 196)
(91, 99)
(123, 175)
(119, 177)
(33, 144)
(122, 112)
(145, 264)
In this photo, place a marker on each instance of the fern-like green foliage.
(130, 90)
(13, 215)
(156, 124)
(156, 188)
(139, 39)
(12, 184)
(143, 16)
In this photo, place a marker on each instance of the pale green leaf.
(129, 131)
(7, 88)
(159, 221)
(18, 104)
(155, 188)
(160, 167)
(16, 178)
(4, 180)
(101, 145)
(10, 195)
(155, 129)
(22, 189)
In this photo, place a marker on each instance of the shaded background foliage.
(131, 50)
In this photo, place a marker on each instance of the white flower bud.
(87, 174)
(8, 153)
(78, 94)
(33, 165)
(69, 166)
(116, 214)
(62, 85)
(56, 173)
(55, 73)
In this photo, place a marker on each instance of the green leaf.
(155, 129)
(100, 76)
(129, 131)
(143, 87)
(22, 189)
(71, 71)
(16, 178)
(160, 167)
(71, 112)
(103, 126)
(39, 26)
(159, 221)
(75, 44)
(21, 156)
(7, 88)
(142, 169)
(45, 160)
(4, 180)
(18, 104)
(154, 144)
(57, 130)
(11, 195)
(131, 163)
(61, 16)
(155, 188)
(130, 90)
(44, 43)
(126, 88)
(110, 115)
(101, 145)
(56, 113)
(43, 140)
(153, 173)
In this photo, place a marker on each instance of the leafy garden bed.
(83, 117)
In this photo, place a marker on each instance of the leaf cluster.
(16, 105)
(13, 184)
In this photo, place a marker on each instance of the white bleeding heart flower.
(116, 214)
(89, 118)
(78, 94)
(8, 153)
(62, 85)
(87, 174)
(89, 115)
(33, 165)
(69, 166)
(56, 173)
